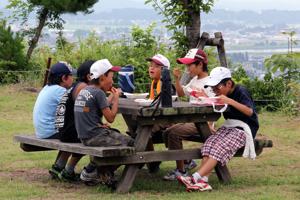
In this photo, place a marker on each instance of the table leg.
(130, 171)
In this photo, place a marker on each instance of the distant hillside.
(265, 17)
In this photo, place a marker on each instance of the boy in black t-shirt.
(238, 130)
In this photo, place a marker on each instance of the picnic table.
(140, 121)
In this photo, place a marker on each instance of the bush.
(272, 93)
(12, 56)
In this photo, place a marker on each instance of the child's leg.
(176, 134)
(207, 167)
(73, 162)
(62, 159)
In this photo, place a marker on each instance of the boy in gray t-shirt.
(90, 106)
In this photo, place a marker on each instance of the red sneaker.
(187, 181)
(199, 186)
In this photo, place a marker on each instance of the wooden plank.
(151, 156)
(32, 148)
(73, 147)
(183, 118)
(129, 107)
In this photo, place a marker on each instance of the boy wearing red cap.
(196, 63)
(238, 130)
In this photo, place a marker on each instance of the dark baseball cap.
(62, 68)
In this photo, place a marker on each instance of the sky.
(105, 5)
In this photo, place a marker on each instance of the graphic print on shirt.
(83, 97)
(60, 112)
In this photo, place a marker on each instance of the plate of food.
(174, 97)
(136, 95)
(143, 102)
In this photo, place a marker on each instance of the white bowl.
(174, 97)
(136, 95)
(143, 102)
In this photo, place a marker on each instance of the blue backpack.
(126, 79)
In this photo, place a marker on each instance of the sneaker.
(172, 175)
(191, 165)
(187, 181)
(201, 186)
(55, 171)
(91, 178)
(69, 177)
(108, 178)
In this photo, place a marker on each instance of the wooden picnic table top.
(129, 106)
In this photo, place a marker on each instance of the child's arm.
(241, 107)
(110, 113)
(179, 89)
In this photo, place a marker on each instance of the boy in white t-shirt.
(196, 63)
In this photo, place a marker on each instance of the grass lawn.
(275, 174)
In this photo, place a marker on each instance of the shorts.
(109, 137)
(222, 145)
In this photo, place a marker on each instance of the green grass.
(275, 174)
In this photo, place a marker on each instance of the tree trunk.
(33, 42)
(193, 28)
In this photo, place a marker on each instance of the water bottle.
(166, 88)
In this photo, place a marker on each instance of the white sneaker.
(172, 175)
(91, 178)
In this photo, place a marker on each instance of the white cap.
(160, 60)
(100, 67)
(217, 75)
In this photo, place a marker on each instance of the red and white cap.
(160, 60)
(192, 56)
(100, 67)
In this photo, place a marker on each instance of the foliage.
(288, 65)
(48, 14)
(177, 17)
(12, 55)
(274, 93)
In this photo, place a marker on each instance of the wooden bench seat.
(126, 155)
(31, 143)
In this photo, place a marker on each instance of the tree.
(11, 49)
(48, 14)
(291, 40)
(183, 19)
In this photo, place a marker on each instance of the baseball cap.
(192, 56)
(160, 60)
(100, 67)
(217, 75)
(62, 68)
(84, 69)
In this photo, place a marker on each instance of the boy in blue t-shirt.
(238, 130)
(59, 80)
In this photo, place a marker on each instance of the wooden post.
(47, 72)
(221, 49)
(203, 39)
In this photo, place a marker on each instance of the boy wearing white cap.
(157, 62)
(90, 105)
(238, 130)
